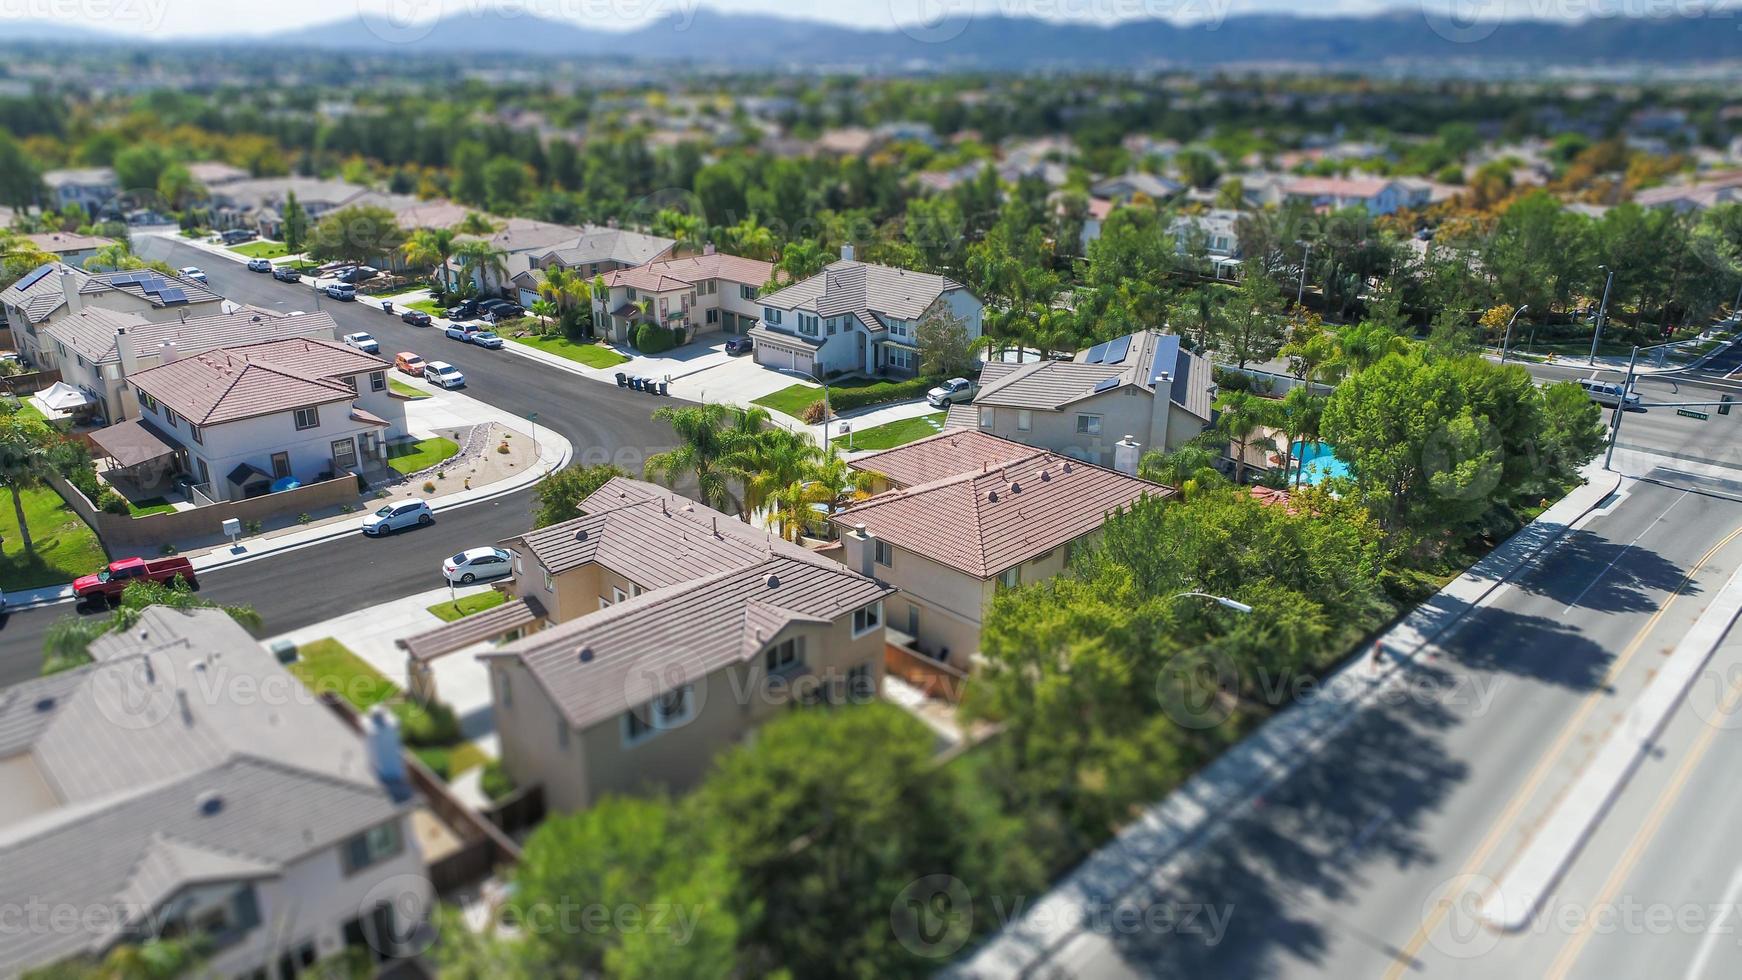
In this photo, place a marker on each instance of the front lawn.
(792, 400)
(426, 305)
(892, 434)
(328, 665)
(154, 505)
(447, 612)
(591, 354)
(410, 457)
(261, 250)
(404, 390)
(66, 547)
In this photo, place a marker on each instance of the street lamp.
(1602, 312)
(827, 413)
(1300, 292)
(1220, 600)
(1507, 343)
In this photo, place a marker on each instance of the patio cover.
(462, 633)
(63, 397)
(133, 442)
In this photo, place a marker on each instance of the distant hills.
(1008, 43)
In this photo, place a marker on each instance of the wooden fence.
(121, 533)
(934, 678)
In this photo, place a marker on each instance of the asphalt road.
(297, 588)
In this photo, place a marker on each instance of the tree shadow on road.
(1502, 644)
(1591, 572)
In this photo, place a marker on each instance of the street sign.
(1691, 414)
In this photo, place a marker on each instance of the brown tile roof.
(92, 331)
(944, 455)
(258, 379)
(463, 632)
(1337, 186)
(60, 243)
(665, 275)
(982, 523)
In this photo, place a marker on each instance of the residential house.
(91, 188)
(216, 173)
(674, 631)
(1143, 386)
(857, 318)
(185, 784)
(700, 294)
(1123, 188)
(55, 290)
(590, 251)
(850, 141)
(258, 203)
(969, 514)
(1698, 195)
(97, 350)
(1215, 230)
(243, 417)
(70, 247)
(1379, 195)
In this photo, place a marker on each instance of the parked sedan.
(416, 318)
(286, 274)
(259, 265)
(477, 563)
(486, 339)
(363, 342)
(193, 272)
(444, 374)
(397, 517)
(409, 363)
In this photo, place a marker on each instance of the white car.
(397, 517)
(952, 391)
(362, 342)
(1608, 393)
(477, 563)
(444, 374)
(193, 272)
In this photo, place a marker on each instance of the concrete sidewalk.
(1171, 829)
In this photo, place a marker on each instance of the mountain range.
(1006, 43)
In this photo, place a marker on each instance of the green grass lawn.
(409, 457)
(426, 305)
(892, 434)
(261, 250)
(28, 409)
(65, 546)
(447, 612)
(154, 505)
(590, 354)
(328, 665)
(792, 400)
(404, 390)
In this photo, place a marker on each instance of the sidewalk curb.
(1186, 818)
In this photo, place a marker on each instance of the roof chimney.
(69, 287)
(386, 755)
(124, 350)
(860, 550)
(168, 354)
(846, 251)
(1126, 453)
(708, 248)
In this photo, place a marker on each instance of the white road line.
(1710, 942)
(1622, 553)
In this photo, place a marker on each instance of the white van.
(1608, 393)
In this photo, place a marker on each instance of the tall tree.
(558, 496)
(295, 224)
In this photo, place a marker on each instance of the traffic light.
(1724, 404)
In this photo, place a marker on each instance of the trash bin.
(386, 306)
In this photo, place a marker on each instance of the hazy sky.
(183, 18)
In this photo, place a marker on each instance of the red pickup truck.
(110, 581)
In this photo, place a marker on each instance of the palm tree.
(1298, 417)
(479, 260)
(842, 484)
(431, 247)
(1242, 415)
(750, 239)
(1186, 469)
(768, 461)
(707, 435)
(475, 224)
(544, 309)
(27, 455)
(800, 260)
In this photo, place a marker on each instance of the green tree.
(470, 185)
(361, 233)
(558, 496)
(945, 349)
(139, 167)
(506, 183)
(1251, 325)
(481, 262)
(431, 248)
(28, 454)
(66, 644)
(799, 260)
(707, 437)
(295, 224)
(178, 188)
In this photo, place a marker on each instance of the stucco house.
(968, 514)
(1143, 387)
(57, 289)
(590, 251)
(857, 318)
(700, 294)
(243, 417)
(91, 188)
(670, 630)
(1379, 195)
(70, 247)
(185, 784)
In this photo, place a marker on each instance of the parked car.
(477, 563)
(344, 292)
(357, 274)
(1608, 393)
(363, 342)
(444, 374)
(461, 331)
(193, 272)
(465, 311)
(397, 517)
(486, 339)
(236, 236)
(123, 572)
(416, 318)
(953, 391)
(259, 265)
(409, 363)
(285, 273)
(739, 345)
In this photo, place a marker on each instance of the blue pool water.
(1318, 462)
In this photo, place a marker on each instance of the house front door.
(344, 454)
(280, 465)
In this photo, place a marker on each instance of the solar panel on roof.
(171, 295)
(1107, 383)
(1166, 354)
(127, 278)
(36, 276)
(1096, 354)
(1116, 350)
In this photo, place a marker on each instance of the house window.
(1088, 425)
(912, 620)
(604, 603)
(885, 554)
(749, 292)
(350, 382)
(900, 358)
(1011, 577)
(344, 454)
(549, 583)
(372, 846)
(807, 324)
(861, 685)
(194, 431)
(308, 418)
(630, 294)
(898, 328)
(986, 417)
(713, 316)
(618, 595)
(562, 734)
(280, 465)
(867, 618)
(172, 418)
(377, 380)
(205, 474)
(770, 315)
(784, 656)
(1024, 420)
(663, 713)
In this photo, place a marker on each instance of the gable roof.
(61, 243)
(596, 244)
(233, 383)
(982, 522)
(940, 456)
(92, 331)
(663, 275)
(1137, 359)
(849, 287)
(157, 288)
(38, 294)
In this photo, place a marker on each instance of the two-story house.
(590, 251)
(49, 291)
(185, 785)
(857, 318)
(700, 294)
(1379, 195)
(91, 188)
(676, 629)
(247, 416)
(969, 514)
(1143, 386)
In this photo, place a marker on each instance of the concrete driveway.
(733, 380)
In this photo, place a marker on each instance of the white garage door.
(784, 358)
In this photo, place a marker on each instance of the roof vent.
(581, 534)
(1067, 467)
(992, 496)
(586, 655)
(772, 581)
(45, 704)
(1015, 487)
(210, 803)
(1045, 476)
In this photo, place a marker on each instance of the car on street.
(474, 564)
(344, 292)
(444, 374)
(409, 363)
(398, 516)
(125, 571)
(363, 342)
(416, 318)
(195, 273)
(486, 339)
(739, 345)
(259, 265)
(951, 392)
(286, 274)
(1609, 393)
(461, 331)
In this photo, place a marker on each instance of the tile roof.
(271, 192)
(44, 295)
(861, 287)
(1362, 187)
(233, 383)
(664, 275)
(524, 234)
(982, 522)
(596, 244)
(115, 761)
(85, 176)
(941, 456)
(1052, 385)
(150, 291)
(60, 243)
(92, 331)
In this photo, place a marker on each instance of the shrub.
(495, 782)
(427, 725)
(441, 474)
(253, 527)
(577, 323)
(502, 447)
(651, 338)
(428, 487)
(1232, 380)
(347, 508)
(111, 502)
(166, 550)
(303, 518)
(382, 495)
(86, 480)
(813, 413)
(847, 399)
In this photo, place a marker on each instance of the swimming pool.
(1318, 462)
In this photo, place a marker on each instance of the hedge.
(651, 338)
(883, 392)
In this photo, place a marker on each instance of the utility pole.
(1602, 313)
(1507, 343)
(1620, 407)
(1300, 293)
